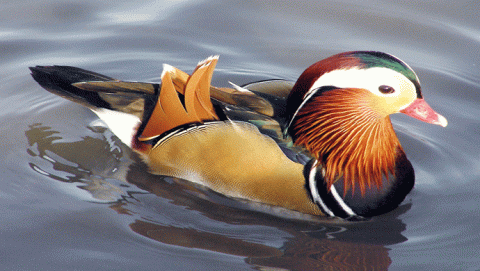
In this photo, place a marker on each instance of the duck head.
(339, 110)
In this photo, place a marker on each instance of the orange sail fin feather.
(351, 141)
(197, 90)
(205, 107)
(170, 112)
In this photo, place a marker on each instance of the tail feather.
(97, 91)
(59, 80)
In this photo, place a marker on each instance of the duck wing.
(153, 109)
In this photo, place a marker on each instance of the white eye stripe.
(369, 79)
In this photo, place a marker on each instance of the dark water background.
(72, 197)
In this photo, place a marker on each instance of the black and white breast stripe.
(329, 202)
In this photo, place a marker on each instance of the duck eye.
(386, 89)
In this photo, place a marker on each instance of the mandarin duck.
(322, 146)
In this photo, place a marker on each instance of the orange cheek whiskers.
(349, 139)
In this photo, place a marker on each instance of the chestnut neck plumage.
(348, 137)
